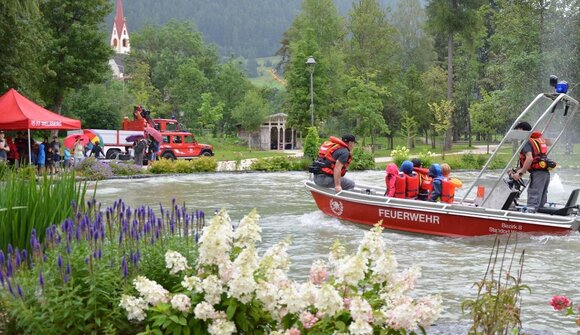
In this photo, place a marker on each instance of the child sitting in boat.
(424, 179)
(452, 181)
(437, 183)
(392, 171)
(407, 182)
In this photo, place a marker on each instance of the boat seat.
(511, 199)
(567, 209)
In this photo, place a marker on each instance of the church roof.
(119, 19)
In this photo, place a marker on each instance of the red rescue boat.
(490, 205)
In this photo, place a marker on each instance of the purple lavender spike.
(67, 268)
(24, 255)
(78, 234)
(17, 257)
(9, 269)
(2, 258)
(2, 278)
(66, 279)
(10, 288)
(95, 254)
(59, 262)
(68, 249)
(196, 236)
(87, 260)
(44, 258)
(73, 204)
(100, 253)
(124, 267)
(152, 241)
(10, 249)
(120, 238)
(20, 292)
(41, 279)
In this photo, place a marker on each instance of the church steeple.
(120, 35)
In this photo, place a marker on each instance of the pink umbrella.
(70, 140)
(154, 133)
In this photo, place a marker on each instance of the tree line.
(452, 68)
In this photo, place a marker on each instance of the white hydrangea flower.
(290, 297)
(215, 243)
(360, 309)
(360, 327)
(249, 231)
(329, 302)
(135, 307)
(204, 311)
(213, 289)
(427, 310)
(275, 258)
(351, 270)
(192, 283)
(242, 283)
(384, 268)
(401, 314)
(221, 327)
(151, 291)
(405, 281)
(267, 293)
(308, 293)
(337, 253)
(225, 269)
(372, 246)
(181, 302)
(175, 262)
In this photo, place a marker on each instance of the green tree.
(187, 90)
(487, 115)
(433, 85)
(231, 86)
(312, 143)
(409, 127)
(76, 50)
(364, 105)
(442, 112)
(447, 18)
(210, 112)
(141, 88)
(250, 113)
(98, 106)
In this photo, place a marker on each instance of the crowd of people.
(412, 181)
(51, 156)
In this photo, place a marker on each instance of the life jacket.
(325, 155)
(448, 190)
(401, 186)
(390, 179)
(412, 186)
(425, 183)
(539, 152)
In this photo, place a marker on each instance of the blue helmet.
(406, 167)
(435, 170)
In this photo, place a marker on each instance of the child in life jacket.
(425, 182)
(435, 174)
(407, 182)
(452, 182)
(392, 171)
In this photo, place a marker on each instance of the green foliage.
(29, 203)
(201, 164)
(497, 307)
(401, 154)
(250, 113)
(311, 143)
(362, 160)
(210, 112)
(98, 106)
(280, 164)
(77, 280)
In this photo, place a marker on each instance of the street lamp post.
(311, 64)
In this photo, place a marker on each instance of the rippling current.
(450, 266)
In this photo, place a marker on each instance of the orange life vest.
(425, 183)
(447, 190)
(325, 155)
(539, 152)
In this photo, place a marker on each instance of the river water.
(450, 266)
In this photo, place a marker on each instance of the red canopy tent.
(19, 113)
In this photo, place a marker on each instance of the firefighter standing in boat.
(329, 168)
(533, 158)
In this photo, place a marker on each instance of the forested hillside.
(250, 28)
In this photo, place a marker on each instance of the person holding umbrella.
(78, 151)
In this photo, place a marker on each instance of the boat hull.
(433, 218)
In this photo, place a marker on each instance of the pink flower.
(292, 331)
(318, 273)
(560, 302)
(308, 319)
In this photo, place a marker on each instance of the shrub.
(205, 164)
(401, 154)
(233, 290)
(311, 143)
(162, 166)
(362, 160)
(72, 283)
(280, 163)
(93, 169)
(426, 158)
(123, 169)
(182, 166)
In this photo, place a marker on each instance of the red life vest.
(412, 186)
(325, 154)
(425, 182)
(400, 186)
(539, 152)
